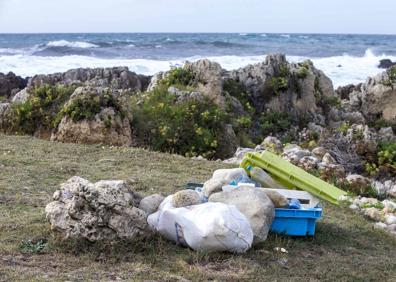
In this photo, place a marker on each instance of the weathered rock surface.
(277, 85)
(110, 126)
(103, 210)
(185, 198)
(115, 78)
(6, 117)
(254, 204)
(11, 84)
(386, 63)
(151, 203)
(358, 183)
(377, 97)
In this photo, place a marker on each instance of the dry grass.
(345, 248)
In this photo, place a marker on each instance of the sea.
(345, 58)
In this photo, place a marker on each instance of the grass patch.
(32, 169)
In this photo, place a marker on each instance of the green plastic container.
(292, 176)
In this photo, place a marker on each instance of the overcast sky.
(305, 16)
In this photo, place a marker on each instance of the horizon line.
(194, 32)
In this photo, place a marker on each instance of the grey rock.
(378, 98)
(96, 211)
(328, 159)
(151, 203)
(9, 83)
(115, 78)
(21, 97)
(109, 126)
(272, 144)
(185, 198)
(319, 152)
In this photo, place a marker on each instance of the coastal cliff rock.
(11, 84)
(386, 63)
(277, 85)
(273, 85)
(93, 115)
(103, 210)
(376, 98)
(115, 78)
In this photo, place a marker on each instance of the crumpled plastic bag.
(208, 227)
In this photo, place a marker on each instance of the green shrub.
(392, 74)
(274, 122)
(33, 247)
(303, 70)
(88, 105)
(385, 160)
(41, 109)
(278, 84)
(283, 70)
(380, 123)
(343, 128)
(179, 77)
(236, 89)
(387, 153)
(191, 127)
(244, 122)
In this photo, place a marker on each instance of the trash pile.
(229, 212)
(232, 211)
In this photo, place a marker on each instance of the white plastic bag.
(206, 227)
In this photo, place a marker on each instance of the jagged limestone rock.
(103, 210)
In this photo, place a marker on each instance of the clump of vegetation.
(190, 127)
(377, 205)
(392, 74)
(303, 70)
(236, 89)
(380, 123)
(88, 105)
(41, 109)
(278, 84)
(343, 128)
(385, 162)
(179, 77)
(274, 122)
(33, 247)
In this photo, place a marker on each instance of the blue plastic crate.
(294, 222)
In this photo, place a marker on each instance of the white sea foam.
(74, 44)
(341, 69)
(285, 35)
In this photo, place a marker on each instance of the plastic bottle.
(294, 204)
(244, 179)
(259, 175)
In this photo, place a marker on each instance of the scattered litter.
(282, 250)
(236, 208)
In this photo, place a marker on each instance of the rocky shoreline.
(345, 136)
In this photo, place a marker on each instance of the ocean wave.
(9, 51)
(73, 44)
(285, 35)
(342, 69)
